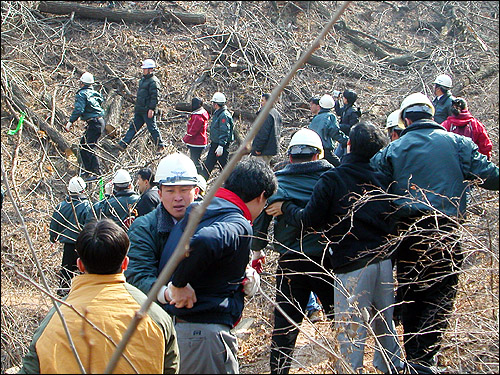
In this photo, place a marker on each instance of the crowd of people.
(346, 189)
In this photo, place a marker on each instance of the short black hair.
(266, 95)
(250, 178)
(102, 245)
(301, 158)
(415, 116)
(366, 139)
(460, 103)
(196, 103)
(147, 174)
(314, 100)
(350, 96)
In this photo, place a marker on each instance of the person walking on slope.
(196, 136)
(349, 115)
(325, 124)
(146, 103)
(443, 98)
(302, 264)
(266, 143)
(221, 135)
(88, 107)
(463, 123)
(430, 169)
(66, 223)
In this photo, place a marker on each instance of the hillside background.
(382, 50)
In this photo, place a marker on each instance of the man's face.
(314, 108)
(146, 71)
(142, 185)
(176, 198)
(263, 102)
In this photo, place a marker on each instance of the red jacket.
(466, 125)
(197, 128)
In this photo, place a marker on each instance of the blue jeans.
(136, 125)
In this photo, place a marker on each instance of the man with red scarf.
(206, 296)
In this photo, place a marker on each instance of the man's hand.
(258, 153)
(274, 209)
(181, 297)
(151, 113)
(219, 150)
(258, 259)
(68, 126)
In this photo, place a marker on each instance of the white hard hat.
(122, 177)
(76, 185)
(176, 169)
(326, 101)
(303, 138)
(148, 63)
(87, 78)
(218, 98)
(202, 183)
(413, 101)
(394, 119)
(443, 80)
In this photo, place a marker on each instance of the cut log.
(18, 98)
(113, 113)
(118, 15)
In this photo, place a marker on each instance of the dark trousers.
(139, 120)
(331, 157)
(296, 278)
(88, 144)
(195, 155)
(427, 263)
(213, 159)
(68, 266)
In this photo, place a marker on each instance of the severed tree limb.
(118, 15)
(182, 248)
(60, 142)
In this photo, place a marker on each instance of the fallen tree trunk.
(113, 113)
(60, 142)
(118, 15)
(60, 116)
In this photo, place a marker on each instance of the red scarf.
(233, 198)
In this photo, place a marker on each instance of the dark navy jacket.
(215, 268)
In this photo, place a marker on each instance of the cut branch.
(117, 15)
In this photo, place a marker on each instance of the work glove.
(108, 188)
(219, 150)
(258, 259)
(251, 282)
(68, 125)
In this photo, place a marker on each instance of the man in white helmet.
(67, 221)
(177, 181)
(394, 125)
(88, 107)
(430, 169)
(145, 107)
(443, 100)
(325, 124)
(221, 135)
(301, 254)
(120, 205)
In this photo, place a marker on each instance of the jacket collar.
(236, 200)
(165, 220)
(353, 158)
(305, 167)
(96, 279)
(325, 110)
(121, 193)
(422, 124)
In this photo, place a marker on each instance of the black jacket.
(147, 94)
(148, 201)
(356, 227)
(267, 140)
(349, 116)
